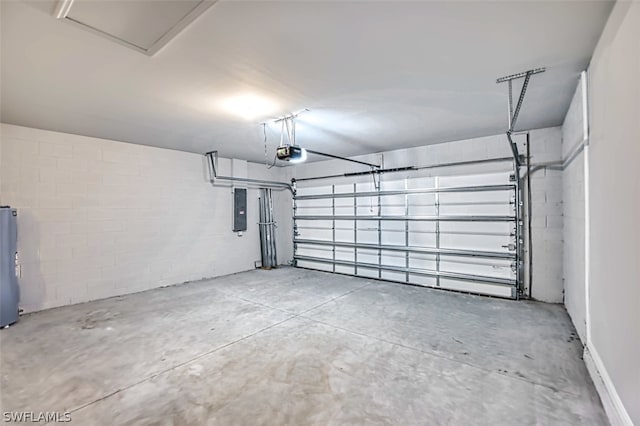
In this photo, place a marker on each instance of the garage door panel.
(479, 228)
(422, 239)
(317, 251)
(421, 182)
(475, 266)
(474, 242)
(344, 235)
(392, 185)
(474, 180)
(452, 232)
(368, 256)
(419, 261)
(313, 190)
(394, 258)
(394, 276)
(393, 237)
(422, 280)
(421, 227)
(366, 272)
(470, 287)
(367, 235)
(316, 265)
(475, 209)
(323, 234)
(342, 269)
(392, 205)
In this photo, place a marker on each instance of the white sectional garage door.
(452, 232)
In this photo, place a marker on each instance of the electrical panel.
(239, 209)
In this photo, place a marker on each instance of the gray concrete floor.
(292, 346)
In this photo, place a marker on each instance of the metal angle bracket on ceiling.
(513, 114)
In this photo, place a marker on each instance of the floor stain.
(96, 318)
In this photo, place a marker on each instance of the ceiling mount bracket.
(514, 113)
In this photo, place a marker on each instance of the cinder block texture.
(99, 218)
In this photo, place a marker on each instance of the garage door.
(452, 232)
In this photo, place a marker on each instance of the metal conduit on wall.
(267, 227)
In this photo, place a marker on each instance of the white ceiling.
(375, 75)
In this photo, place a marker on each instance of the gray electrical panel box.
(9, 290)
(239, 209)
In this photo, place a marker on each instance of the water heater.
(9, 291)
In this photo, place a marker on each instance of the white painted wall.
(573, 187)
(614, 209)
(99, 218)
(546, 189)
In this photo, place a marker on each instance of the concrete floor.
(293, 346)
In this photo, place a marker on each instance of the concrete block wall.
(547, 221)
(99, 218)
(574, 215)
